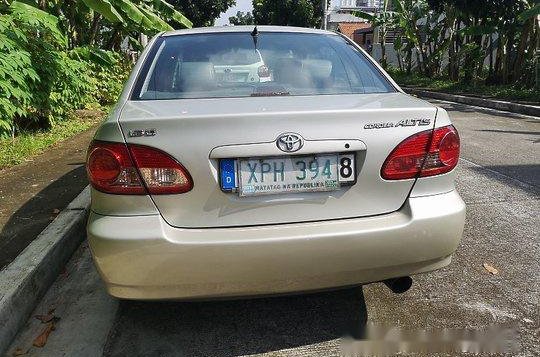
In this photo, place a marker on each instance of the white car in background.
(240, 65)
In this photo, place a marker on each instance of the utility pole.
(325, 14)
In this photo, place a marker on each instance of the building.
(364, 36)
(337, 18)
(362, 5)
(361, 33)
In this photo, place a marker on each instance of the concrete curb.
(479, 102)
(24, 282)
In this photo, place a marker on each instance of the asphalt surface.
(498, 177)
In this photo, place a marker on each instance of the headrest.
(287, 70)
(196, 76)
(317, 68)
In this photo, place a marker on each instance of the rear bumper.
(142, 257)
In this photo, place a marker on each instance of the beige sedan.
(319, 174)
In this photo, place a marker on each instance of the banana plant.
(106, 9)
(382, 20)
(149, 15)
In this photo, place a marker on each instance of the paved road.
(498, 177)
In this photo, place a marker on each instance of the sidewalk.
(34, 192)
(532, 109)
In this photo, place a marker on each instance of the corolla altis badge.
(136, 133)
(404, 122)
(289, 142)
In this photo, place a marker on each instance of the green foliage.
(242, 18)
(304, 13)
(105, 8)
(483, 41)
(15, 150)
(58, 56)
(41, 81)
(444, 84)
(109, 80)
(170, 12)
(16, 74)
(202, 12)
(20, 32)
(70, 87)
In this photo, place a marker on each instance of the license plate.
(264, 176)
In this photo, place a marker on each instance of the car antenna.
(255, 36)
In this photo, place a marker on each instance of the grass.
(442, 84)
(28, 144)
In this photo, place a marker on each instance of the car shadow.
(235, 327)
(25, 224)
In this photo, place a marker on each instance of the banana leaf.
(364, 15)
(105, 8)
(154, 21)
(130, 10)
(96, 55)
(171, 12)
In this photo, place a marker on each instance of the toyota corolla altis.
(318, 172)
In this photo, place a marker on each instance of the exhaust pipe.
(399, 285)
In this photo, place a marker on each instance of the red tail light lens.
(405, 161)
(115, 168)
(443, 153)
(429, 153)
(111, 170)
(160, 172)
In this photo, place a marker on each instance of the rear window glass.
(238, 65)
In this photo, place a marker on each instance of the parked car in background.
(318, 173)
(240, 65)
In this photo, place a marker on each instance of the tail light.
(161, 173)
(428, 153)
(263, 71)
(135, 170)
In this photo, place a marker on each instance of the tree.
(508, 28)
(303, 13)
(202, 12)
(54, 54)
(242, 18)
(383, 20)
(105, 23)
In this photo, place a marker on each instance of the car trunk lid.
(199, 132)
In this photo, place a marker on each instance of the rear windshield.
(240, 65)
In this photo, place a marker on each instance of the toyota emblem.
(289, 142)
